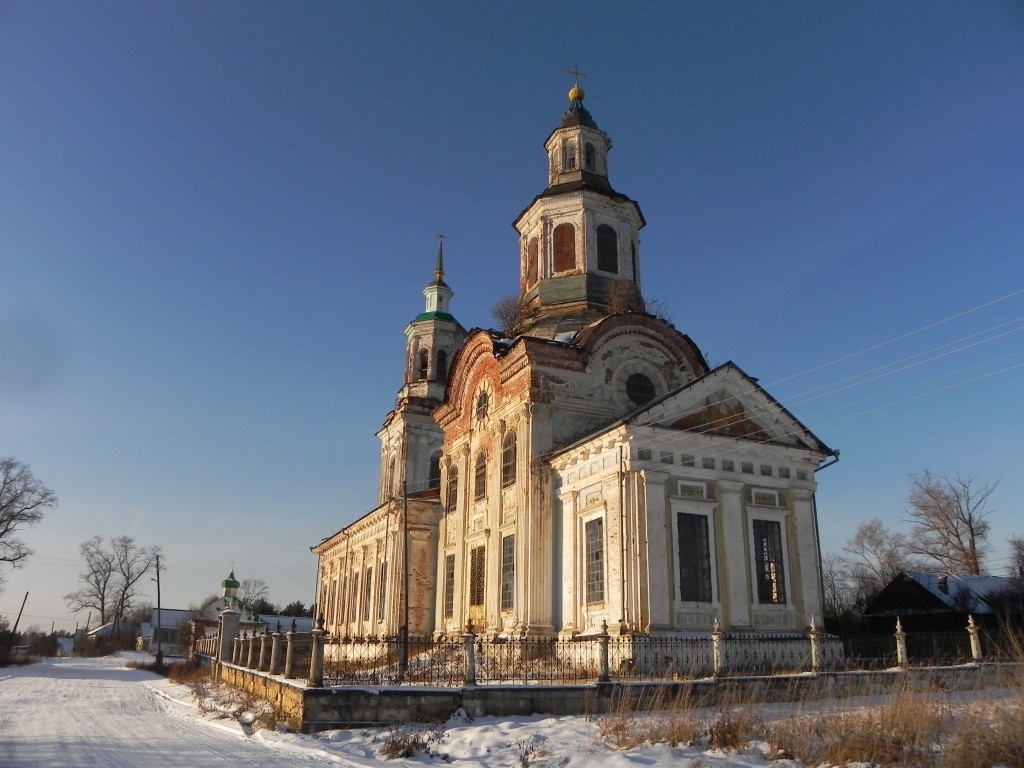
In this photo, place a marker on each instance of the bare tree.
(512, 313)
(133, 562)
(23, 500)
(97, 590)
(836, 588)
(948, 514)
(111, 576)
(252, 591)
(1017, 556)
(876, 554)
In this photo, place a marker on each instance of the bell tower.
(579, 238)
(410, 438)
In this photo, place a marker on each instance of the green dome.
(230, 582)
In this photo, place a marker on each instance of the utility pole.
(14, 632)
(24, 601)
(159, 628)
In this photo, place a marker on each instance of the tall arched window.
(508, 460)
(589, 157)
(434, 474)
(452, 494)
(569, 162)
(607, 249)
(442, 365)
(563, 241)
(480, 477)
(424, 363)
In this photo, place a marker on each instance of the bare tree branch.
(97, 591)
(512, 313)
(111, 576)
(948, 514)
(251, 591)
(23, 500)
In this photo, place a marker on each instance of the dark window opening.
(771, 578)
(607, 249)
(639, 389)
(694, 558)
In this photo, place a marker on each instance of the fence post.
(289, 655)
(316, 661)
(469, 640)
(226, 633)
(972, 628)
(717, 651)
(815, 636)
(261, 664)
(901, 645)
(603, 637)
(275, 651)
(250, 648)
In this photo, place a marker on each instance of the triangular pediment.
(728, 403)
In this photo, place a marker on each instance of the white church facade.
(583, 469)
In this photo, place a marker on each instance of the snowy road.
(94, 712)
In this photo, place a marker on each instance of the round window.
(639, 389)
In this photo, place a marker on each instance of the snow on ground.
(74, 712)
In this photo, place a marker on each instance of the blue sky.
(217, 218)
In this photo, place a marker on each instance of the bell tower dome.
(579, 238)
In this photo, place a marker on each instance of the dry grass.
(987, 735)
(930, 727)
(902, 732)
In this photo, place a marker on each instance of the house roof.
(912, 592)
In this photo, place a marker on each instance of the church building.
(581, 467)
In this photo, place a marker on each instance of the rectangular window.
(477, 557)
(368, 593)
(449, 586)
(728, 465)
(594, 537)
(453, 490)
(766, 470)
(771, 578)
(687, 460)
(382, 580)
(784, 472)
(708, 463)
(666, 457)
(354, 598)
(747, 467)
(508, 572)
(480, 477)
(694, 558)
(644, 454)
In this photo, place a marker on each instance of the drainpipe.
(817, 535)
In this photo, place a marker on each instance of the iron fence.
(477, 659)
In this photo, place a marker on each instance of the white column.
(803, 549)
(656, 579)
(733, 555)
